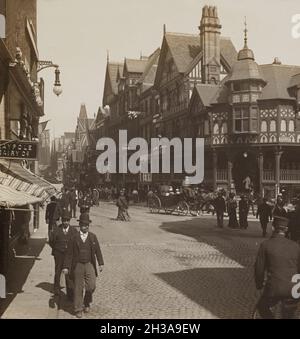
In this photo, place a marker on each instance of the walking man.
(59, 243)
(264, 213)
(52, 215)
(73, 202)
(220, 207)
(278, 260)
(80, 261)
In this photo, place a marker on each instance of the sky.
(76, 34)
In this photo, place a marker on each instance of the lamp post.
(49, 64)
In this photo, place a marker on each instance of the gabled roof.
(148, 77)
(135, 65)
(206, 93)
(186, 51)
(278, 78)
(184, 48)
(113, 68)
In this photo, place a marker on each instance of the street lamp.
(48, 64)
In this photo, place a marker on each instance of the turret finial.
(246, 33)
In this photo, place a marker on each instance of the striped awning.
(14, 175)
(10, 197)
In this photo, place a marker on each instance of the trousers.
(84, 279)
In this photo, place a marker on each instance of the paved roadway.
(164, 266)
(156, 266)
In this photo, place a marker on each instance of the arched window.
(264, 127)
(273, 126)
(224, 129)
(283, 126)
(216, 128)
(291, 126)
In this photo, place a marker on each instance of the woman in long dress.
(231, 208)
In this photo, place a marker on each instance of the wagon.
(172, 203)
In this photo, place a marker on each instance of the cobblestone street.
(156, 266)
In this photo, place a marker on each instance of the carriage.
(171, 202)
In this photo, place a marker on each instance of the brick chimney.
(210, 30)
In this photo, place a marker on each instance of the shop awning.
(10, 197)
(14, 175)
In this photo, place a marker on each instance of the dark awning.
(14, 175)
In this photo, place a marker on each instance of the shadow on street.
(19, 269)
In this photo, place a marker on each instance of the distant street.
(156, 266)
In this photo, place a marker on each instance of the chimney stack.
(210, 31)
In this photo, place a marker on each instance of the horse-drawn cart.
(171, 203)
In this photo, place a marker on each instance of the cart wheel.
(193, 211)
(154, 204)
(182, 208)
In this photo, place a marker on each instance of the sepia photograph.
(149, 162)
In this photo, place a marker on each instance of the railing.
(289, 175)
(222, 175)
(285, 175)
(269, 175)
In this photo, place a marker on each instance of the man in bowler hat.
(80, 261)
(278, 260)
(59, 240)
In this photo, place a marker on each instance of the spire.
(107, 55)
(246, 34)
(246, 52)
(165, 29)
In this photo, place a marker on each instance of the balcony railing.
(285, 175)
(289, 175)
(222, 175)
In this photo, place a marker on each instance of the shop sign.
(17, 149)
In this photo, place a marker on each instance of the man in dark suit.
(264, 213)
(80, 261)
(278, 259)
(59, 242)
(220, 207)
(243, 212)
(52, 215)
(294, 224)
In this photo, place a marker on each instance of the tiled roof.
(278, 78)
(148, 77)
(113, 68)
(185, 48)
(206, 93)
(136, 65)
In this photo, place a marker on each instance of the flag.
(42, 126)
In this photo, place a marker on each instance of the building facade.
(200, 86)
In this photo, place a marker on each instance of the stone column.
(261, 172)
(215, 168)
(229, 168)
(278, 155)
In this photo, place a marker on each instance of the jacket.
(59, 242)
(264, 213)
(72, 255)
(279, 258)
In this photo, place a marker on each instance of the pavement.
(156, 266)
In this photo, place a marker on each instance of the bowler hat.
(280, 223)
(84, 219)
(65, 215)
